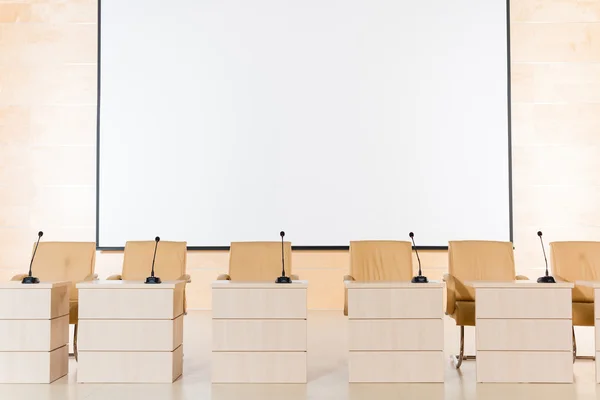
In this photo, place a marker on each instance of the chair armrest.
(186, 278)
(450, 293)
(18, 277)
(521, 278)
(91, 277)
(294, 277)
(115, 278)
(348, 278)
(223, 277)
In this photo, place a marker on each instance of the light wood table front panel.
(525, 303)
(34, 366)
(396, 366)
(34, 332)
(259, 332)
(525, 367)
(106, 300)
(595, 285)
(130, 332)
(259, 367)
(266, 301)
(597, 328)
(259, 335)
(46, 300)
(395, 332)
(130, 366)
(391, 303)
(524, 332)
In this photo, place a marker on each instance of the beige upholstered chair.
(65, 261)
(170, 262)
(474, 261)
(577, 261)
(379, 260)
(258, 261)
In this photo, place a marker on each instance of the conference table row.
(131, 332)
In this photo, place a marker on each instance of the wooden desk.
(524, 332)
(259, 332)
(130, 332)
(34, 332)
(395, 332)
(596, 287)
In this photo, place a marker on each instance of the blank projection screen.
(334, 120)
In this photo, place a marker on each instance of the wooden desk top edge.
(225, 284)
(392, 285)
(105, 284)
(518, 284)
(41, 285)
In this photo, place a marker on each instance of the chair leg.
(574, 346)
(75, 342)
(459, 359)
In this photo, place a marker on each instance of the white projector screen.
(334, 120)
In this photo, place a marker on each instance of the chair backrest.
(258, 261)
(65, 261)
(170, 261)
(381, 260)
(576, 261)
(479, 260)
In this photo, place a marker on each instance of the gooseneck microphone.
(546, 278)
(29, 279)
(154, 279)
(419, 278)
(283, 278)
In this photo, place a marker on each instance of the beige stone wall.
(47, 124)
(555, 48)
(47, 139)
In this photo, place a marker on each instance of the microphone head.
(282, 233)
(411, 235)
(157, 239)
(540, 233)
(40, 234)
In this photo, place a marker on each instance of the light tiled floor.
(327, 376)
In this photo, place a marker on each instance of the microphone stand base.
(546, 279)
(153, 280)
(30, 280)
(419, 279)
(284, 279)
